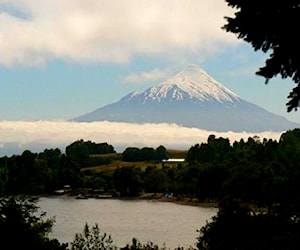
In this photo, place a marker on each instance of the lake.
(160, 222)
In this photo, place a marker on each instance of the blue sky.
(63, 58)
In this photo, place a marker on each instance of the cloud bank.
(34, 32)
(17, 136)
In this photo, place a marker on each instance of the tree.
(160, 153)
(237, 227)
(23, 227)
(131, 154)
(79, 152)
(92, 239)
(270, 26)
(99, 148)
(137, 245)
(69, 172)
(215, 150)
(52, 156)
(27, 174)
(128, 181)
(156, 180)
(147, 154)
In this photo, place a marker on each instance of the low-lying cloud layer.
(34, 32)
(17, 136)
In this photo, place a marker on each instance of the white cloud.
(146, 76)
(109, 31)
(49, 134)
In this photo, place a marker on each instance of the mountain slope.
(192, 99)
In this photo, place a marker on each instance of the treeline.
(260, 171)
(80, 151)
(42, 173)
(134, 154)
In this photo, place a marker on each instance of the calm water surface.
(159, 222)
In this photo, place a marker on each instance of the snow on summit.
(192, 82)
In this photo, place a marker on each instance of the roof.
(174, 160)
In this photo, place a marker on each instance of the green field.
(116, 161)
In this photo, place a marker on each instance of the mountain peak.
(194, 99)
(197, 84)
(193, 73)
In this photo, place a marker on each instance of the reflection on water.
(159, 222)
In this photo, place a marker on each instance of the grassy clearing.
(120, 164)
(116, 162)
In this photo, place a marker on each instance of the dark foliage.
(270, 26)
(128, 181)
(91, 238)
(137, 245)
(134, 154)
(80, 151)
(22, 227)
(237, 227)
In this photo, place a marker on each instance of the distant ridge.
(191, 98)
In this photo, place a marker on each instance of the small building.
(172, 161)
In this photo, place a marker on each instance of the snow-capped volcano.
(193, 83)
(191, 98)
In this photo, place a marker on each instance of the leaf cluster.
(23, 226)
(271, 26)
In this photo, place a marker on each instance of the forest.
(260, 171)
(255, 182)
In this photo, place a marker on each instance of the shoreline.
(156, 197)
(179, 201)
